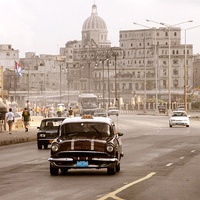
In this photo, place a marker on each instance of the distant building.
(91, 66)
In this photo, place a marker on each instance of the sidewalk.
(19, 135)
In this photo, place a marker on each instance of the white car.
(113, 111)
(179, 118)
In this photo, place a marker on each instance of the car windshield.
(179, 114)
(50, 124)
(85, 130)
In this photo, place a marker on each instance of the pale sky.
(43, 26)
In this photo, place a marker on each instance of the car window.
(50, 125)
(179, 114)
(87, 130)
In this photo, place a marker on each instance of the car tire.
(187, 125)
(39, 145)
(111, 170)
(118, 167)
(53, 171)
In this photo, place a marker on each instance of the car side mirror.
(120, 134)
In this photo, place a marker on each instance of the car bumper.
(179, 123)
(90, 163)
(45, 140)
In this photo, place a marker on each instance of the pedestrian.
(10, 118)
(26, 118)
(70, 112)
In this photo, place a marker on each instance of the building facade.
(149, 65)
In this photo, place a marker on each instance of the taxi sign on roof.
(87, 117)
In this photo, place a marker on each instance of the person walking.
(26, 118)
(10, 118)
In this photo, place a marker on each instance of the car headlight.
(42, 135)
(110, 148)
(54, 147)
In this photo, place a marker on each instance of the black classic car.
(48, 131)
(86, 142)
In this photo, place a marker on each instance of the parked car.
(113, 111)
(86, 142)
(161, 109)
(179, 118)
(48, 131)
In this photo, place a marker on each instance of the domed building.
(94, 31)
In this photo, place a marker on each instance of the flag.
(18, 68)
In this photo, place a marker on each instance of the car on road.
(86, 142)
(101, 113)
(113, 111)
(161, 109)
(48, 131)
(179, 118)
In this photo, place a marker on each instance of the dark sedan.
(48, 131)
(86, 142)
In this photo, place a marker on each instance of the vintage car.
(86, 142)
(179, 118)
(48, 131)
(113, 111)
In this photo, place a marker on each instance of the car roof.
(53, 118)
(93, 119)
(179, 111)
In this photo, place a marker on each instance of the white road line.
(168, 165)
(113, 194)
(193, 151)
(182, 157)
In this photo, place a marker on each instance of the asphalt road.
(160, 163)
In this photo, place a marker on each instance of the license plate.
(179, 122)
(82, 163)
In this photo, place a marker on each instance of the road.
(160, 163)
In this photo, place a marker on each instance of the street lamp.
(169, 55)
(185, 68)
(145, 78)
(155, 63)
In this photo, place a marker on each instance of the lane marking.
(168, 165)
(193, 151)
(113, 194)
(182, 157)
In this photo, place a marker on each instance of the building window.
(164, 72)
(175, 72)
(166, 33)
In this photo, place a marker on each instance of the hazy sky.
(43, 26)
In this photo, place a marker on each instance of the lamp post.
(145, 78)
(185, 68)
(155, 58)
(115, 52)
(169, 55)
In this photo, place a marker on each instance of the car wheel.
(118, 167)
(53, 171)
(111, 170)
(187, 125)
(39, 145)
(170, 125)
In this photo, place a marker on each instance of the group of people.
(10, 119)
